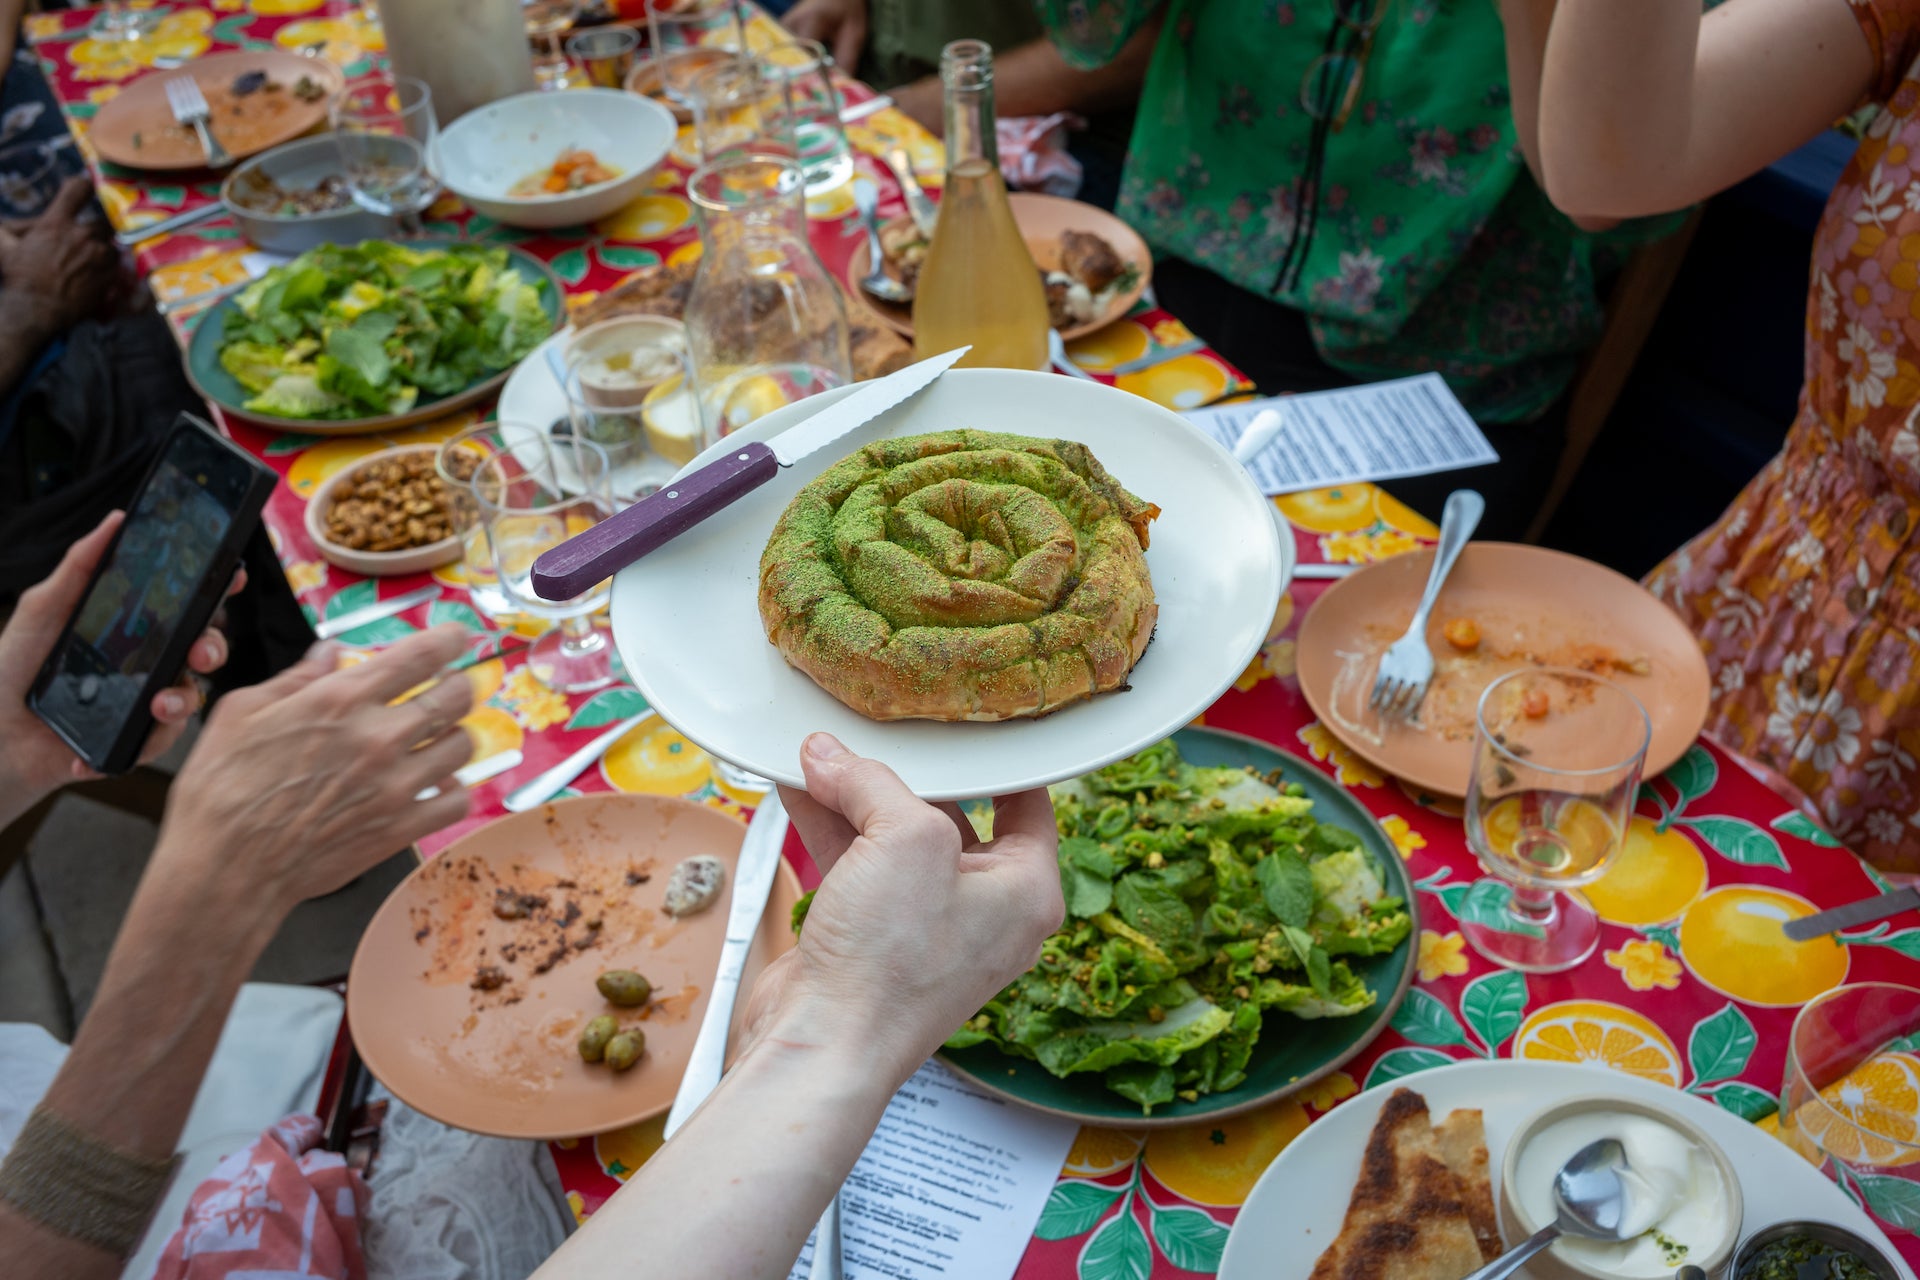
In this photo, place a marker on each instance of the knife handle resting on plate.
(575, 565)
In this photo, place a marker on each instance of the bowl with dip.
(1688, 1194)
(1792, 1250)
(627, 389)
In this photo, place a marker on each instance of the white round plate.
(532, 395)
(1295, 1210)
(485, 152)
(687, 618)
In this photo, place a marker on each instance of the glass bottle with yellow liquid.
(979, 285)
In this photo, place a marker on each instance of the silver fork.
(1407, 668)
(190, 107)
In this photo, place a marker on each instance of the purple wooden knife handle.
(649, 524)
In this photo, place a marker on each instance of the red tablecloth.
(1694, 985)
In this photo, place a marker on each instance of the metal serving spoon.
(1592, 1198)
(876, 282)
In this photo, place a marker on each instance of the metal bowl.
(301, 163)
(1825, 1232)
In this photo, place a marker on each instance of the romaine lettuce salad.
(351, 331)
(1198, 900)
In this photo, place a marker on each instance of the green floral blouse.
(1433, 248)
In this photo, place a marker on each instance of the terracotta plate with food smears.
(473, 985)
(1504, 607)
(256, 98)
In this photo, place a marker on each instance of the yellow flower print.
(305, 575)
(579, 1206)
(1334, 1088)
(532, 703)
(1347, 548)
(103, 93)
(1388, 543)
(203, 274)
(1171, 333)
(180, 35)
(344, 39)
(1441, 955)
(1645, 964)
(41, 26)
(1349, 768)
(1404, 837)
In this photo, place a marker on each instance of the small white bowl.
(485, 152)
(374, 564)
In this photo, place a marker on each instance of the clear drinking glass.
(809, 105)
(117, 20)
(604, 55)
(1852, 1091)
(458, 462)
(686, 35)
(629, 391)
(765, 321)
(736, 112)
(1556, 770)
(388, 139)
(547, 21)
(529, 511)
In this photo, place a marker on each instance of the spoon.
(1592, 1198)
(876, 282)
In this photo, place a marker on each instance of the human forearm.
(1036, 80)
(1527, 23)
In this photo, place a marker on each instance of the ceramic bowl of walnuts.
(384, 514)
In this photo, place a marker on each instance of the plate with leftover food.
(1094, 265)
(985, 610)
(1504, 607)
(1419, 1178)
(545, 975)
(555, 159)
(1237, 928)
(350, 339)
(256, 98)
(385, 514)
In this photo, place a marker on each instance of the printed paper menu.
(951, 1185)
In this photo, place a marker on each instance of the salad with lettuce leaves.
(354, 331)
(1199, 901)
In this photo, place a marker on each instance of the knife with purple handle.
(575, 565)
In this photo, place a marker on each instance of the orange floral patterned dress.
(1806, 593)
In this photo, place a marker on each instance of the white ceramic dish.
(1295, 1210)
(374, 564)
(687, 620)
(483, 153)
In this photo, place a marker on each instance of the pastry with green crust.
(962, 575)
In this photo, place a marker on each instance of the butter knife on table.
(328, 628)
(1865, 911)
(575, 565)
(753, 877)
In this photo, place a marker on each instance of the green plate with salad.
(350, 339)
(1237, 927)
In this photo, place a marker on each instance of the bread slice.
(1407, 1219)
(1463, 1146)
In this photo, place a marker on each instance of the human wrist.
(823, 1038)
(198, 875)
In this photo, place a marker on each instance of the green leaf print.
(1738, 840)
(1693, 775)
(1189, 1239)
(571, 266)
(607, 707)
(1072, 1209)
(1396, 1064)
(1800, 826)
(166, 197)
(453, 611)
(290, 442)
(1495, 1006)
(1745, 1101)
(380, 630)
(1665, 934)
(1894, 1200)
(1117, 1251)
(1720, 1046)
(1906, 942)
(1485, 904)
(1425, 1019)
(626, 258)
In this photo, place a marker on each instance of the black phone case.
(124, 752)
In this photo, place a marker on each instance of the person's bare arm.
(1035, 80)
(1527, 23)
(1647, 107)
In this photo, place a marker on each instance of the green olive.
(624, 987)
(625, 1049)
(594, 1037)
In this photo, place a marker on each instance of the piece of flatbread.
(1463, 1145)
(1407, 1219)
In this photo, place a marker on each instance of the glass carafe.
(979, 285)
(765, 324)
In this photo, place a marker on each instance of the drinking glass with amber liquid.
(1556, 770)
(979, 285)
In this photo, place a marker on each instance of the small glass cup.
(118, 20)
(1852, 1089)
(629, 391)
(604, 55)
(388, 140)
(1556, 770)
(547, 21)
(736, 112)
(809, 111)
(459, 460)
(529, 510)
(686, 37)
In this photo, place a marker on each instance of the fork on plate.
(190, 107)
(1406, 669)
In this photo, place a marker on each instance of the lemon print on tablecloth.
(1601, 1033)
(1101, 1151)
(1654, 876)
(654, 759)
(181, 35)
(1401, 516)
(622, 1151)
(834, 202)
(688, 252)
(194, 276)
(281, 8)
(1117, 343)
(1341, 509)
(1730, 938)
(1217, 1162)
(651, 217)
(1184, 382)
(1870, 1118)
(315, 466)
(1583, 824)
(343, 40)
(492, 730)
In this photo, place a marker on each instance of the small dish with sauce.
(1809, 1251)
(1689, 1192)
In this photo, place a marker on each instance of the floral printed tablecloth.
(1694, 985)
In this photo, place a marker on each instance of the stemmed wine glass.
(389, 146)
(1556, 770)
(547, 21)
